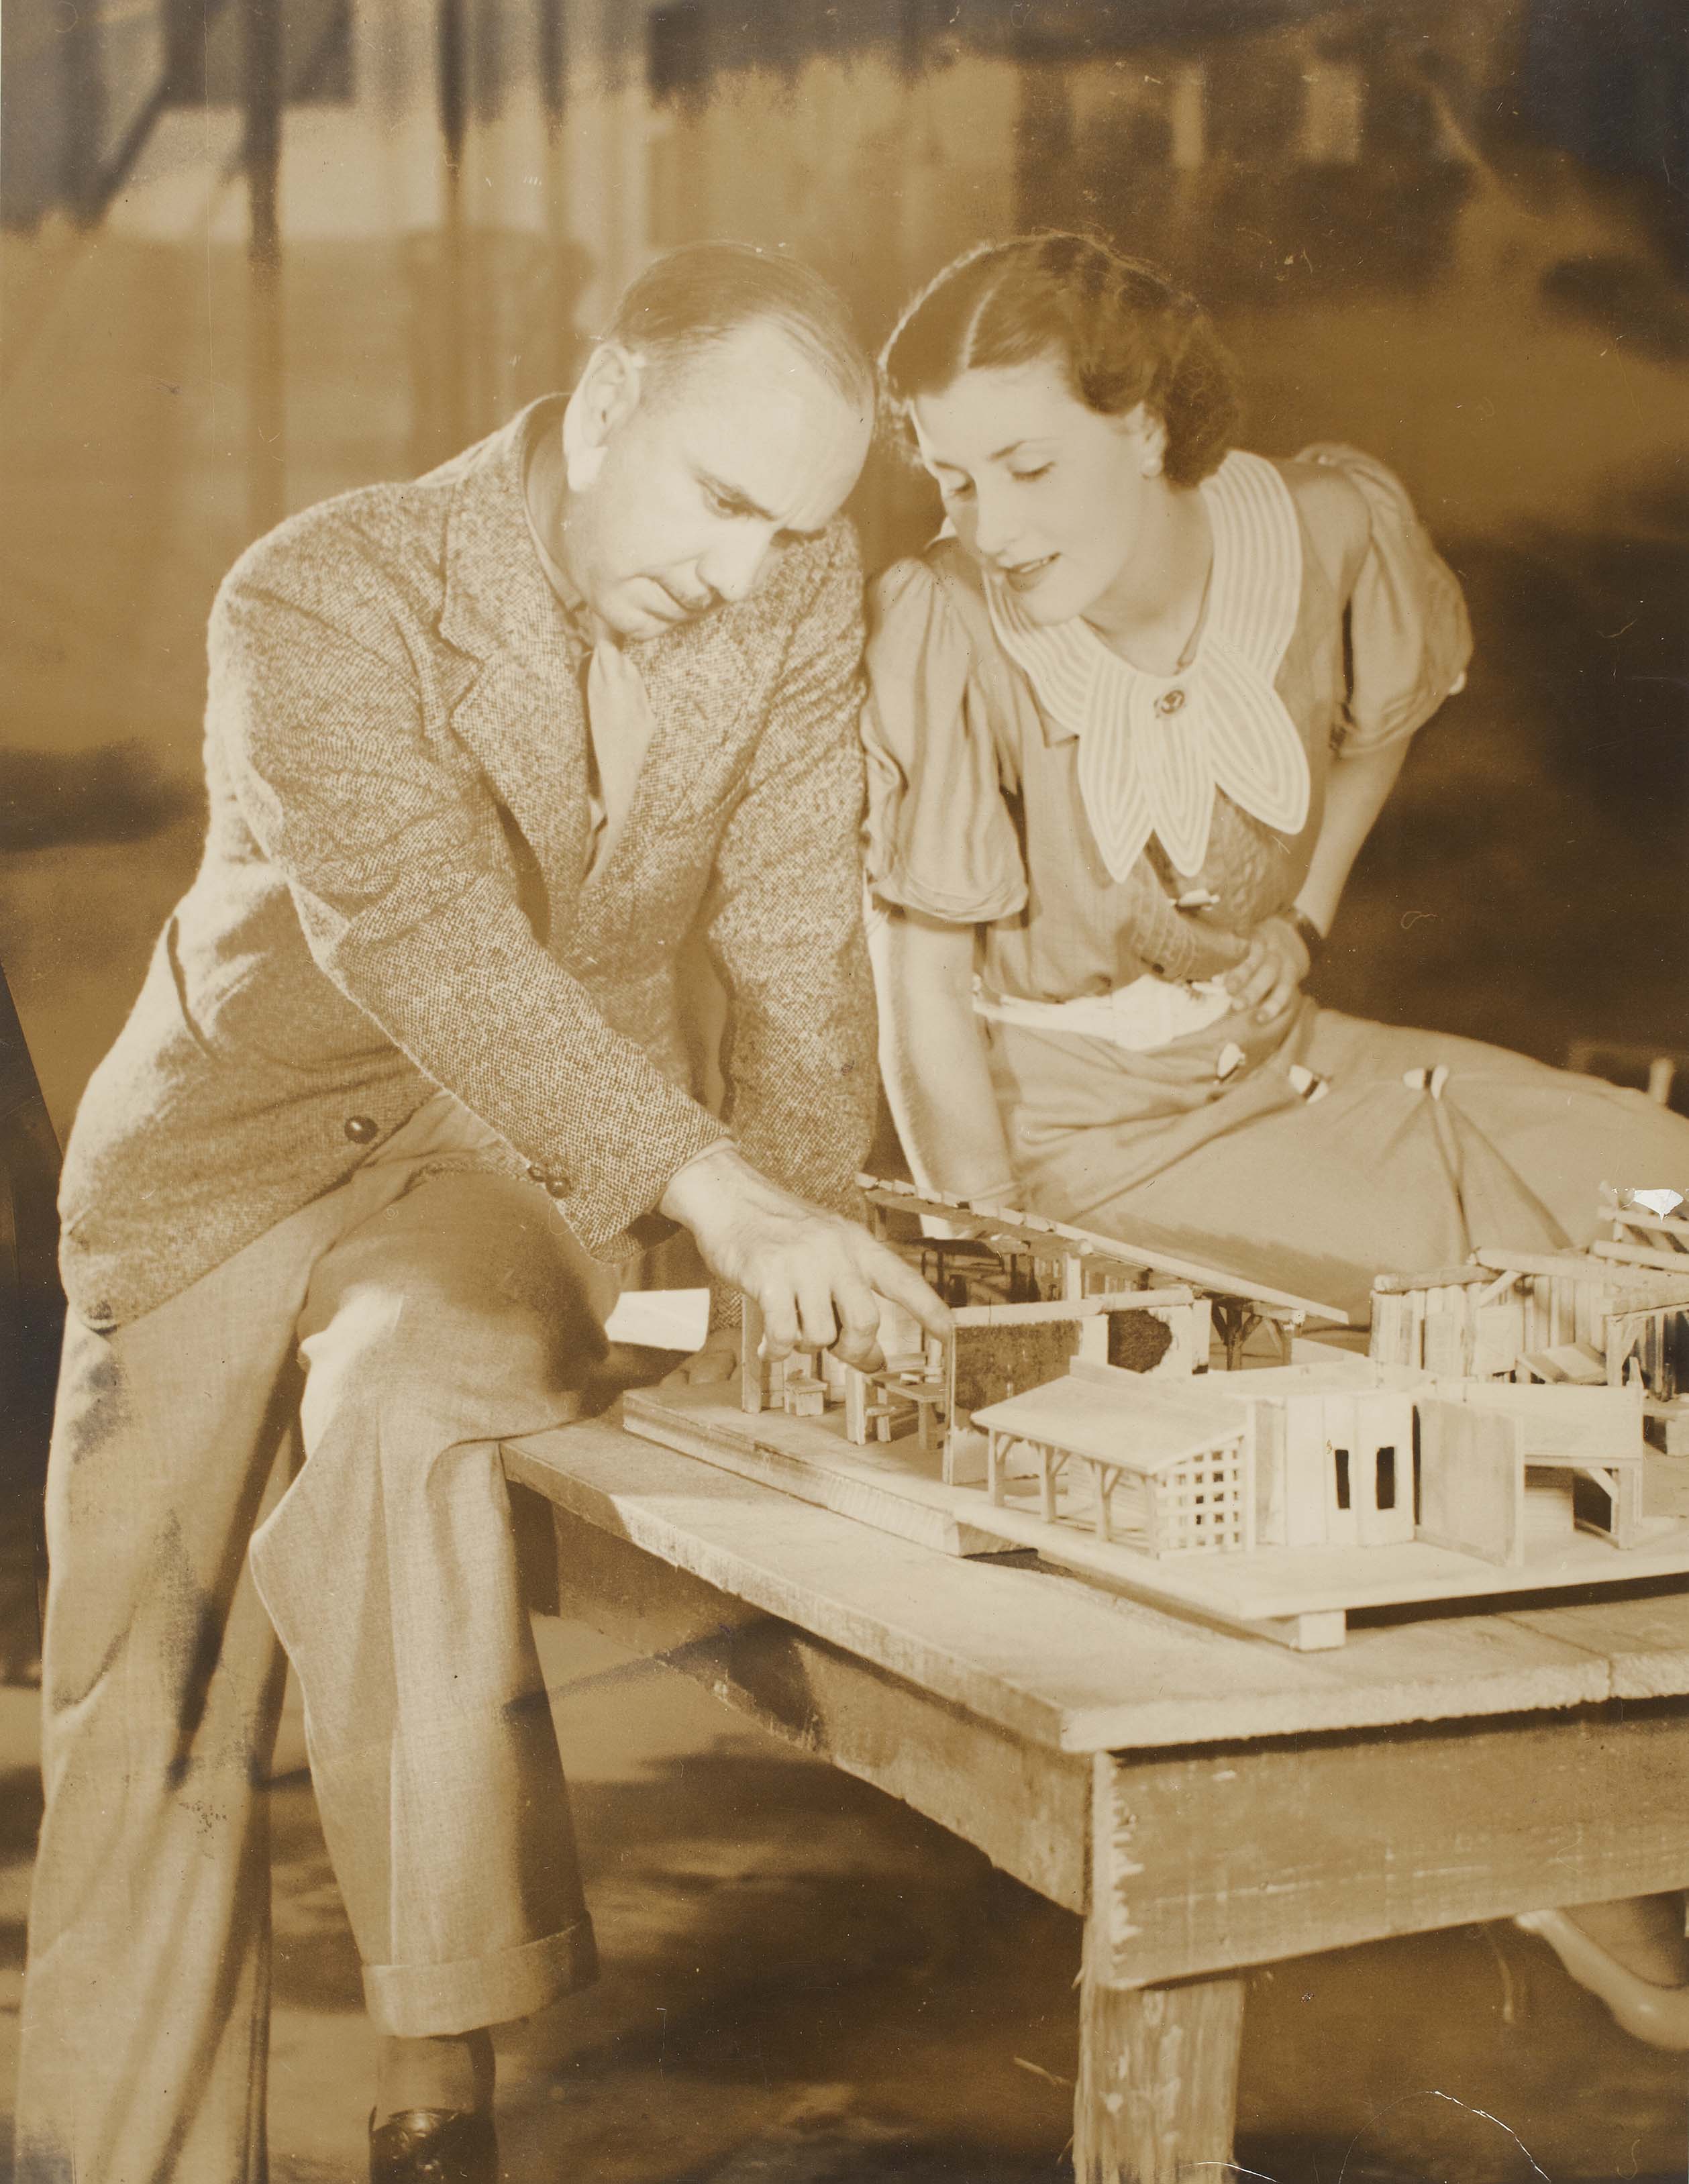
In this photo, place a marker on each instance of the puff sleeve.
(1409, 638)
(939, 838)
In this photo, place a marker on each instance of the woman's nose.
(994, 524)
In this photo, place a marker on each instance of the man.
(403, 1082)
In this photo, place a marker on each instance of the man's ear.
(607, 395)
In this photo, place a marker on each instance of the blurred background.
(259, 251)
(255, 252)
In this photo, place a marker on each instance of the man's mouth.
(685, 608)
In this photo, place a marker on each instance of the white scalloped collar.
(1154, 748)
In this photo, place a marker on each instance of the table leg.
(1156, 2096)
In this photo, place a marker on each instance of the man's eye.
(721, 504)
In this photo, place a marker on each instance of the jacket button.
(362, 1129)
(538, 1175)
(557, 1186)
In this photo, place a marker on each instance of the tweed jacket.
(394, 895)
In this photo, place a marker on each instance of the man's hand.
(1270, 976)
(717, 1359)
(813, 1275)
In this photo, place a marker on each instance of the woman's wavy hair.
(1123, 332)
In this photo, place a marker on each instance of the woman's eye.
(1025, 477)
(956, 488)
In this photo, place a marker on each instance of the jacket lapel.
(701, 683)
(516, 700)
(519, 708)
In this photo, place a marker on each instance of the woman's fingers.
(1238, 978)
(1260, 973)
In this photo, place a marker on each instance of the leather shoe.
(434, 2145)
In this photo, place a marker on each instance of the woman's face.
(1048, 493)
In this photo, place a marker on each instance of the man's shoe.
(434, 2145)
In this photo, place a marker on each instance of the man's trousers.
(331, 1399)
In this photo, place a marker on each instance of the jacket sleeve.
(390, 841)
(785, 916)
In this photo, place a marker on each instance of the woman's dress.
(1030, 783)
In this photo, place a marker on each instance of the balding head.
(690, 299)
(728, 409)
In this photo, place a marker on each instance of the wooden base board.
(1297, 1595)
(895, 1485)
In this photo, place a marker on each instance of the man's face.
(709, 465)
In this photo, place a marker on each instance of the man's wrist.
(696, 1182)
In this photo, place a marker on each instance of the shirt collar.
(1155, 750)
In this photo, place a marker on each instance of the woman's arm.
(1355, 793)
(1270, 975)
(932, 1057)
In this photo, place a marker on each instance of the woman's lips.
(1025, 574)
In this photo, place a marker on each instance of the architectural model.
(1503, 1432)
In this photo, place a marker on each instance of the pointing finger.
(900, 1284)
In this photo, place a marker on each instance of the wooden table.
(1207, 1801)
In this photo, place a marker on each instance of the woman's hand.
(1269, 977)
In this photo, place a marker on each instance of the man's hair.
(1122, 332)
(692, 298)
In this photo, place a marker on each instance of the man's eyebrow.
(738, 498)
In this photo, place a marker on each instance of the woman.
(1130, 720)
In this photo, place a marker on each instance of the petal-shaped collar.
(1154, 748)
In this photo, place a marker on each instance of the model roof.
(1032, 1232)
(1141, 1428)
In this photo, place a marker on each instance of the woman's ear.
(607, 395)
(1149, 431)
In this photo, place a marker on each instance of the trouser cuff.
(412, 2001)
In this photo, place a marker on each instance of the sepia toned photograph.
(844, 1091)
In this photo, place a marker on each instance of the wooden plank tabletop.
(1063, 1664)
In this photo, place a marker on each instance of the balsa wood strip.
(894, 1485)
(1047, 1658)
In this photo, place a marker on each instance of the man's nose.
(731, 564)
